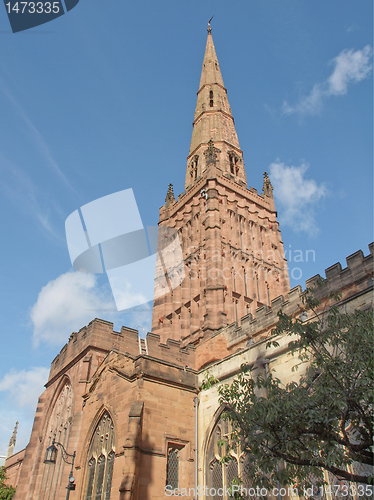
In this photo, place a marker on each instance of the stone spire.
(12, 442)
(229, 235)
(211, 72)
(213, 120)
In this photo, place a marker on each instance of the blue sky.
(102, 99)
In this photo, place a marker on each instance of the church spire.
(230, 241)
(213, 121)
(211, 72)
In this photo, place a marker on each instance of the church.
(132, 418)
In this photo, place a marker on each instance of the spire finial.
(170, 196)
(209, 28)
(267, 188)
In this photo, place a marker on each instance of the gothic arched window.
(101, 461)
(59, 426)
(234, 163)
(194, 165)
(222, 475)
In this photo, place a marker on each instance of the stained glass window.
(100, 477)
(59, 426)
(232, 472)
(101, 461)
(91, 474)
(221, 475)
(217, 478)
(109, 475)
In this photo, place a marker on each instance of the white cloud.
(19, 393)
(309, 105)
(353, 27)
(65, 305)
(296, 196)
(349, 67)
(25, 386)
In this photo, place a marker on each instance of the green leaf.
(321, 422)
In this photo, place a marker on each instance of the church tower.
(231, 243)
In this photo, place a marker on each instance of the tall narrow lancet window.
(218, 474)
(234, 163)
(58, 428)
(194, 165)
(172, 470)
(91, 475)
(109, 474)
(100, 461)
(231, 160)
(211, 98)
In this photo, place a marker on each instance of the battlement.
(265, 317)
(353, 279)
(359, 269)
(172, 351)
(99, 336)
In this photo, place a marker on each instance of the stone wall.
(13, 466)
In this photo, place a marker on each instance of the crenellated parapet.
(97, 336)
(172, 351)
(94, 342)
(354, 277)
(263, 321)
(352, 281)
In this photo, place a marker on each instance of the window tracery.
(211, 98)
(194, 164)
(221, 475)
(59, 429)
(101, 460)
(234, 163)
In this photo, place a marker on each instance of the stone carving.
(211, 153)
(267, 188)
(170, 196)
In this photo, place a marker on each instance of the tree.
(6, 491)
(322, 422)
